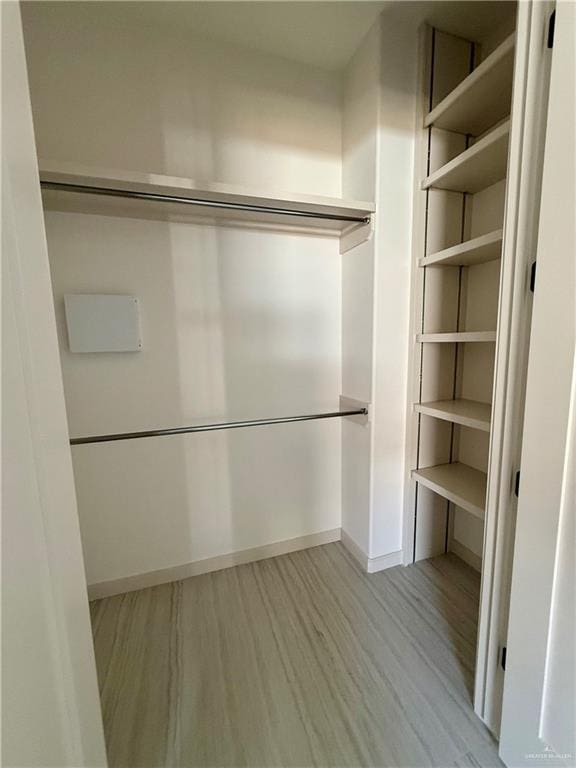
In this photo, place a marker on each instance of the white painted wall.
(378, 142)
(357, 334)
(236, 323)
(145, 97)
(393, 243)
(50, 705)
(359, 140)
(361, 95)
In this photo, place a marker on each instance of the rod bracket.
(351, 404)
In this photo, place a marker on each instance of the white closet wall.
(237, 323)
(111, 90)
(397, 115)
(232, 322)
(378, 145)
(359, 173)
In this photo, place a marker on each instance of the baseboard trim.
(381, 563)
(355, 550)
(371, 564)
(466, 554)
(210, 564)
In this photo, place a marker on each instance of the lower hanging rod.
(213, 427)
(130, 193)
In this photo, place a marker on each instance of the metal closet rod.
(109, 192)
(213, 427)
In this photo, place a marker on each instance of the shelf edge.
(463, 337)
(136, 181)
(441, 490)
(461, 249)
(472, 422)
(494, 136)
(476, 75)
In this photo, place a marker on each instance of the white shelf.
(468, 413)
(483, 164)
(459, 483)
(482, 99)
(476, 251)
(457, 338)
(105, 200)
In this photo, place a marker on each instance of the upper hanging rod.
(213, 427)
(110, 192)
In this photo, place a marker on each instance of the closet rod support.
(214, 427)
(129, 193)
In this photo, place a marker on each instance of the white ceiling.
(324, 34)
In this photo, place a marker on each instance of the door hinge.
(533, 276)
(551, 25)
(503, 658)
(517, 483)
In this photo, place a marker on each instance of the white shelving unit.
(468, 413)
(83, 189)
(459, 337)
(482, 99)
(459, 234)
(483, 164)
(460, 484)
(478, 250)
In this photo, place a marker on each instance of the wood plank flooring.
(300, 660)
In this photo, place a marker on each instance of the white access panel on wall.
(103, 323)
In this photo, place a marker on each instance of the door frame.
(547, 476)
(45, 584)
(525, 164)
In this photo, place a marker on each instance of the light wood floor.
(300, 660)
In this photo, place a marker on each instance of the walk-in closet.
(292, 252)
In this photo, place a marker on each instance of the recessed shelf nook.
(480, 166)
(468, 413)
(482, 99)
(478, 250)
(459, 483)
